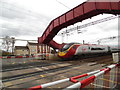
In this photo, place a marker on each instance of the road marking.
(110, 81)
(44, 67)
(7, 84)
(21, 79)
(49, 87)
(13, 63)
(38, 68)
(99, 85)
(42, 76)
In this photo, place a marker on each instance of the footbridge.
(81, 12)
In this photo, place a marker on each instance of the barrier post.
(116, 57)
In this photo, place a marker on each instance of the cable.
(88, 24)
(67, 6)
(63, 4)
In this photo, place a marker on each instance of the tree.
(8, 43)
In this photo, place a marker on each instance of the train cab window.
(74, 47)
(97, 49)
(65, 47)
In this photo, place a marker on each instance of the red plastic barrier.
(27, 56)
(33, 56)
(87, 81)
(35, 88)
(8, 56)
(18, 57)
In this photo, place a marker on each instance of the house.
(31, 49)
(21, 50)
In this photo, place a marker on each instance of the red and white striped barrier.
(72, 79)
(7, 57)
(90, 79)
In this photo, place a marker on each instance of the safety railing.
(104, 78)
(99, 80)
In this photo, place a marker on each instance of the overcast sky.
(27, 19)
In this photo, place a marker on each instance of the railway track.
(61, 71)
(9, 75)
(5, 79)
(26, 67)
(51, 72)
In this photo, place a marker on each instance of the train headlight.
(65, 51)
(62, 53)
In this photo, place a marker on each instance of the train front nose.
(61, 54)
(64, 54)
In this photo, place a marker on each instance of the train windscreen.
(65, 47)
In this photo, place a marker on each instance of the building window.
(33, 50)
(32, 46)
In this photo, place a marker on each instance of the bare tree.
(6, 43)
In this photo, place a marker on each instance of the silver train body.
(75, 49)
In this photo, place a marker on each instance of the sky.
(27, 19)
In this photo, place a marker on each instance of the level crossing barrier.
(107, 78)
(7, 57)
(105, 75)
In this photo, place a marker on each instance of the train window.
(65, 47)
(114, 49)
(74, 47)
(97, 48)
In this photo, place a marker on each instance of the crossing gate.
(104, 78)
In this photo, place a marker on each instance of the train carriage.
(75, 49)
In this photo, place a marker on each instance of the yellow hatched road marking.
(49, 87)
(13, 63)
(99, 85)
(110, 80)
(20, 79)
(42, 76)
(7, 84)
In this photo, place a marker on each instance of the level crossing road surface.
(52, 71)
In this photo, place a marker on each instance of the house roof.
(21, 47)
(30, 43)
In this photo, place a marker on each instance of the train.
(72, 50)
